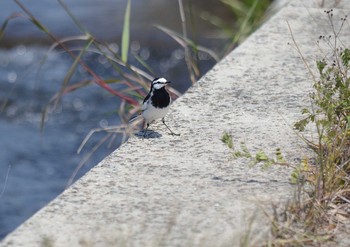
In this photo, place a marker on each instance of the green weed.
(322, 200)
(259, 157)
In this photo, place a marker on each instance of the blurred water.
(38, 164)
(104, 20)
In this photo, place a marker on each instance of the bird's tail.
(134, 118)
(136, 122)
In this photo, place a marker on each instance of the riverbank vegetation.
(319, 212)
(321, 207)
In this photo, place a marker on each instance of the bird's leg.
(145, 130)
(171, 132)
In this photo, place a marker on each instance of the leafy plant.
(258, 157)
(323, 181)
(330, 114)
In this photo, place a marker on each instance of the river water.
(36, 166)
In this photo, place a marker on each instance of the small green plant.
(227, 139)
(243, 152)
(330, 114)
(258, 157)
(323, 181)
(331, 96)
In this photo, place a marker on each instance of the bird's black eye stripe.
(159, 80)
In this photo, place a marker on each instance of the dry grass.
(321, 204)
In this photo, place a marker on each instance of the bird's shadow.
(148, 134)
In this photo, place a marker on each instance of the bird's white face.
(159, 83)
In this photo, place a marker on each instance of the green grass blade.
(5, 23)
(126, 33)
(249, 16)
(75, 20)
(39, 25)
(43, 117)
(144, 64)
(187, 42)
(66, 80)
(71, 71)
(3, 27)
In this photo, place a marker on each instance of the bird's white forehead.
(161, 80)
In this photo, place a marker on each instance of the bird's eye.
(159, 81)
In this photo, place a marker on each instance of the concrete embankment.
(188, 190)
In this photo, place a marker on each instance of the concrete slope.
(189, 190)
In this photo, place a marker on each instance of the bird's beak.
(168, 82)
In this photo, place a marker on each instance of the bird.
(157, 103)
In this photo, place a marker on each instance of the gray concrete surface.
(188, 190)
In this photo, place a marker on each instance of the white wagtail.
(157, 103)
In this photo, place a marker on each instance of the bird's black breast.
(160, 98)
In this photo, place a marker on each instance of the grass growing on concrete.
(321, 204)
(254, 158)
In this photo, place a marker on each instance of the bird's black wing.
(147, 97)
(145, 101)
